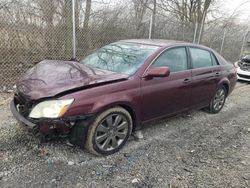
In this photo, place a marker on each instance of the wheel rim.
(219, 99)
(111, 132)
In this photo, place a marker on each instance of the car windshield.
(247, 56)
(120, 57)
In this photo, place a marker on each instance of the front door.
(167, 95)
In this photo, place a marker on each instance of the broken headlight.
(51, 108)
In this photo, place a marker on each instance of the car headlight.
(51, 108)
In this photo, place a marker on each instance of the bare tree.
(86, 29)
(140, 7)
(33, 30)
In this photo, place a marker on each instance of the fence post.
(73, 30)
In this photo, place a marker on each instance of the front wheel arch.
(127, 106)
(132, 114)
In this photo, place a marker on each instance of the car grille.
(244, 66)
(22, 104)
(244, 76)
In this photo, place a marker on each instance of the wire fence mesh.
(33, 30)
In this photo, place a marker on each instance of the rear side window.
(200, 58)
(175, 59)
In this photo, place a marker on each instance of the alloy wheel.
(219, 99)
(111, 132)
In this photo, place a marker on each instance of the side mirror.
(157, 72)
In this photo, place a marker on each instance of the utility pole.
(223, 40)
(202, 25)
(195, 31)
(153, 19)
(150, 27)
(151, 32)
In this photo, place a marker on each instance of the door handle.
(217, 74)
(186, 80)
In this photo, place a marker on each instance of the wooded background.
(33, 30)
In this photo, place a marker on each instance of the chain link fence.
(33, 30)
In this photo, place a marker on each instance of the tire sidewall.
(212, 101)
(91, 145)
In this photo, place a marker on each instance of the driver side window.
(175, 59)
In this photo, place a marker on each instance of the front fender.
(97, 99)
(107, 102)
(124, 101)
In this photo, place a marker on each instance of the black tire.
(212, 106)
(101, 121)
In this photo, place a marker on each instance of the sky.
(242, 7)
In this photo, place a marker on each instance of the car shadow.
(243, 82)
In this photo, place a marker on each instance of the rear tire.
(218, 101)
(109, 132)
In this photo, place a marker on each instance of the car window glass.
(121, 57)
(214, 60)
(175, 59)
(200, 58)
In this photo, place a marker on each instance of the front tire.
(109, 131)
(218, 101)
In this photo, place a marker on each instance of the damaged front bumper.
(22, 120)
(45, 125)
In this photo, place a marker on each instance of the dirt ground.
(195, 149)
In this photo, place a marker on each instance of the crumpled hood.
(51, 77)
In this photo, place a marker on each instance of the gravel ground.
(195, 149)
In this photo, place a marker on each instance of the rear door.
(205, 76)
(167, 95)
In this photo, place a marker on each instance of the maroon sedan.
(100, 100)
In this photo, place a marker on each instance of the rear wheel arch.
(226, 86)
(225, 83)
(218, 101)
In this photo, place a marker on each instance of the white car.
(243, 68)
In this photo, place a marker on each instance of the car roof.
(161, 42)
